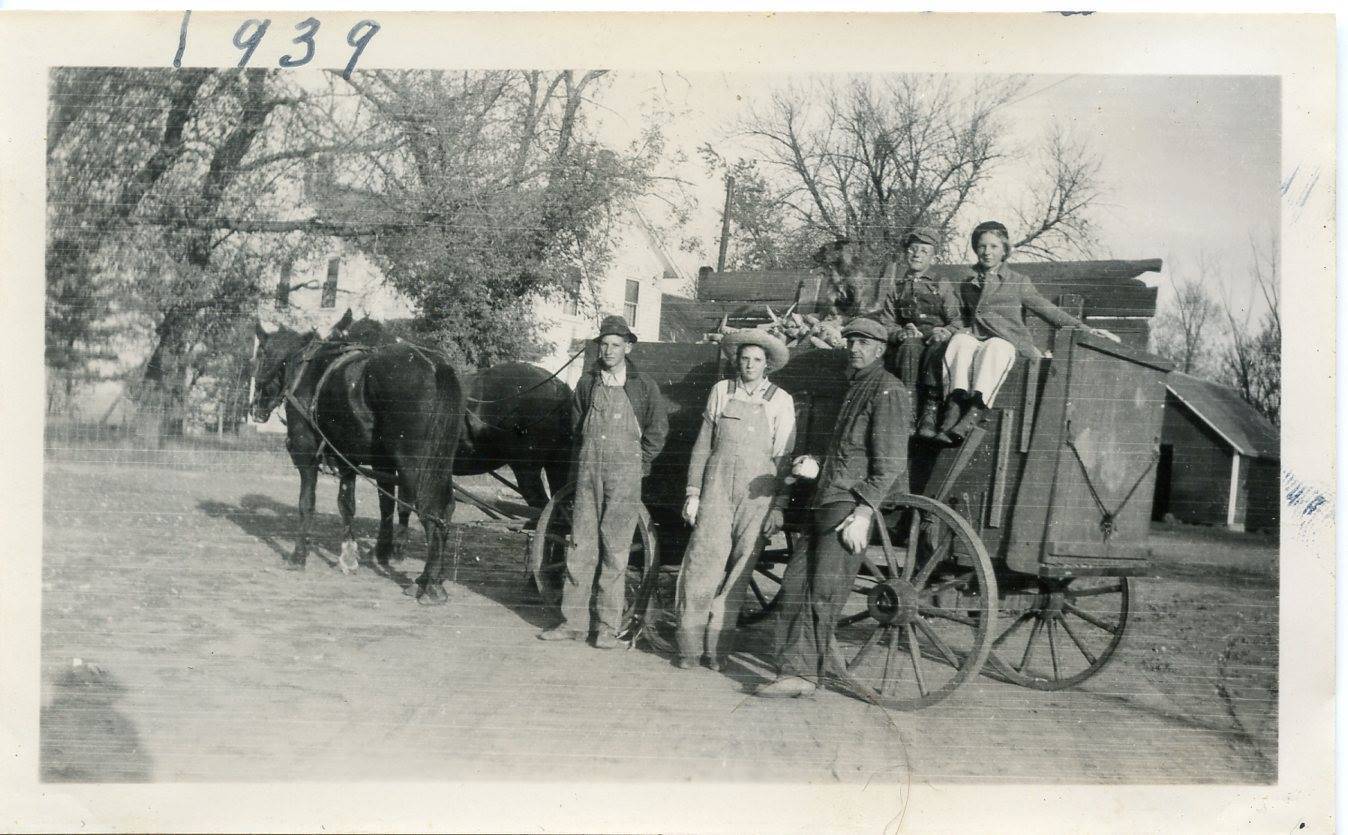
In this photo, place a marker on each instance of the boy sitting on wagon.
(922, 313)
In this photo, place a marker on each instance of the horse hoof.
(349, 559)
(433, 595)
(292, 565)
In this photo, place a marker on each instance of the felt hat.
(615, 326)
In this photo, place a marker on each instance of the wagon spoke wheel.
(765, 585)
(551, 542)
(923, 610)
(1056, 633)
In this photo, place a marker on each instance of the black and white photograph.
(569, 418)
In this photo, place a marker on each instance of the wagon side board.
(1084, 502)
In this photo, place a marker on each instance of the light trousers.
(978, 365)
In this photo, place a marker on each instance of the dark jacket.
(648, 404)
(924, 301)
(999, 309)
(868, 452)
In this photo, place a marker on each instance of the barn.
(1219, 461)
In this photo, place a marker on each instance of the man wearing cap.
(736, 494)
(867, 455)
(619, 424)
(923, 313)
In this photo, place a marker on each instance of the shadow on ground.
(85, 738)
(485, 560)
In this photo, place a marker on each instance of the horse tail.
(442, 436)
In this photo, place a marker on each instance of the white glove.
(1101, 332)
(855, 530)
(690, 506)
(806, 467)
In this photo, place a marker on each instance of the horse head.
(277, 348)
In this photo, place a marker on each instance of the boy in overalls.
(619, 424)
(736, 495)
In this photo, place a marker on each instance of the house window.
(571, 291)
(283, 287)
(630, 300)
(330, 286)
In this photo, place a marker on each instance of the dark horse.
(394, 411)
(517, 416)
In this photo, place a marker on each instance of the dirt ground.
(175, 648)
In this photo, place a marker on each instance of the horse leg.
(431, 588)
(529, 478)
(384, 546)
(308, 483)
(558, 467)
(404, 514)
(349, 559)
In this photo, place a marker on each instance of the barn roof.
(1108, 288)
(1227, 414)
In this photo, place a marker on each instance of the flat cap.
(921, 235)
(867, 327)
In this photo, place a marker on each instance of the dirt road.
(200, 659)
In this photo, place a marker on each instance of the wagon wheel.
(1060, 632)
(920, 620)
(551, 541)
(765, 585)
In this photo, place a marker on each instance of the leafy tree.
(142, 167)
(485, 191)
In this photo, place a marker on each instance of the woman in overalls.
(736, 495)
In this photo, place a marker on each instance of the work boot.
(954, 410)
(606, 640)
(931, 412)
(972, 417)
(786, 687)
(560, 633)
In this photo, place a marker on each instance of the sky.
(1190, 164)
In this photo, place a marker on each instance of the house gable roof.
(1223, 410)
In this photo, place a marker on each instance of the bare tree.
(1253, 360)
(1184, 328)
(869, 159)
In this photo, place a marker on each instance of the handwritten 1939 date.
(251, 32)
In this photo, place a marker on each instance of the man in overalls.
(736, 495)
(619, 424)
(867, 455)
(922, 313)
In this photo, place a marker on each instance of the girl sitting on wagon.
(993, 300)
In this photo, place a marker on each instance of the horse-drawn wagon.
(1010, 554)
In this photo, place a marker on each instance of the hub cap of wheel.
(892, 602)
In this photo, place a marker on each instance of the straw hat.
(776, 349)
